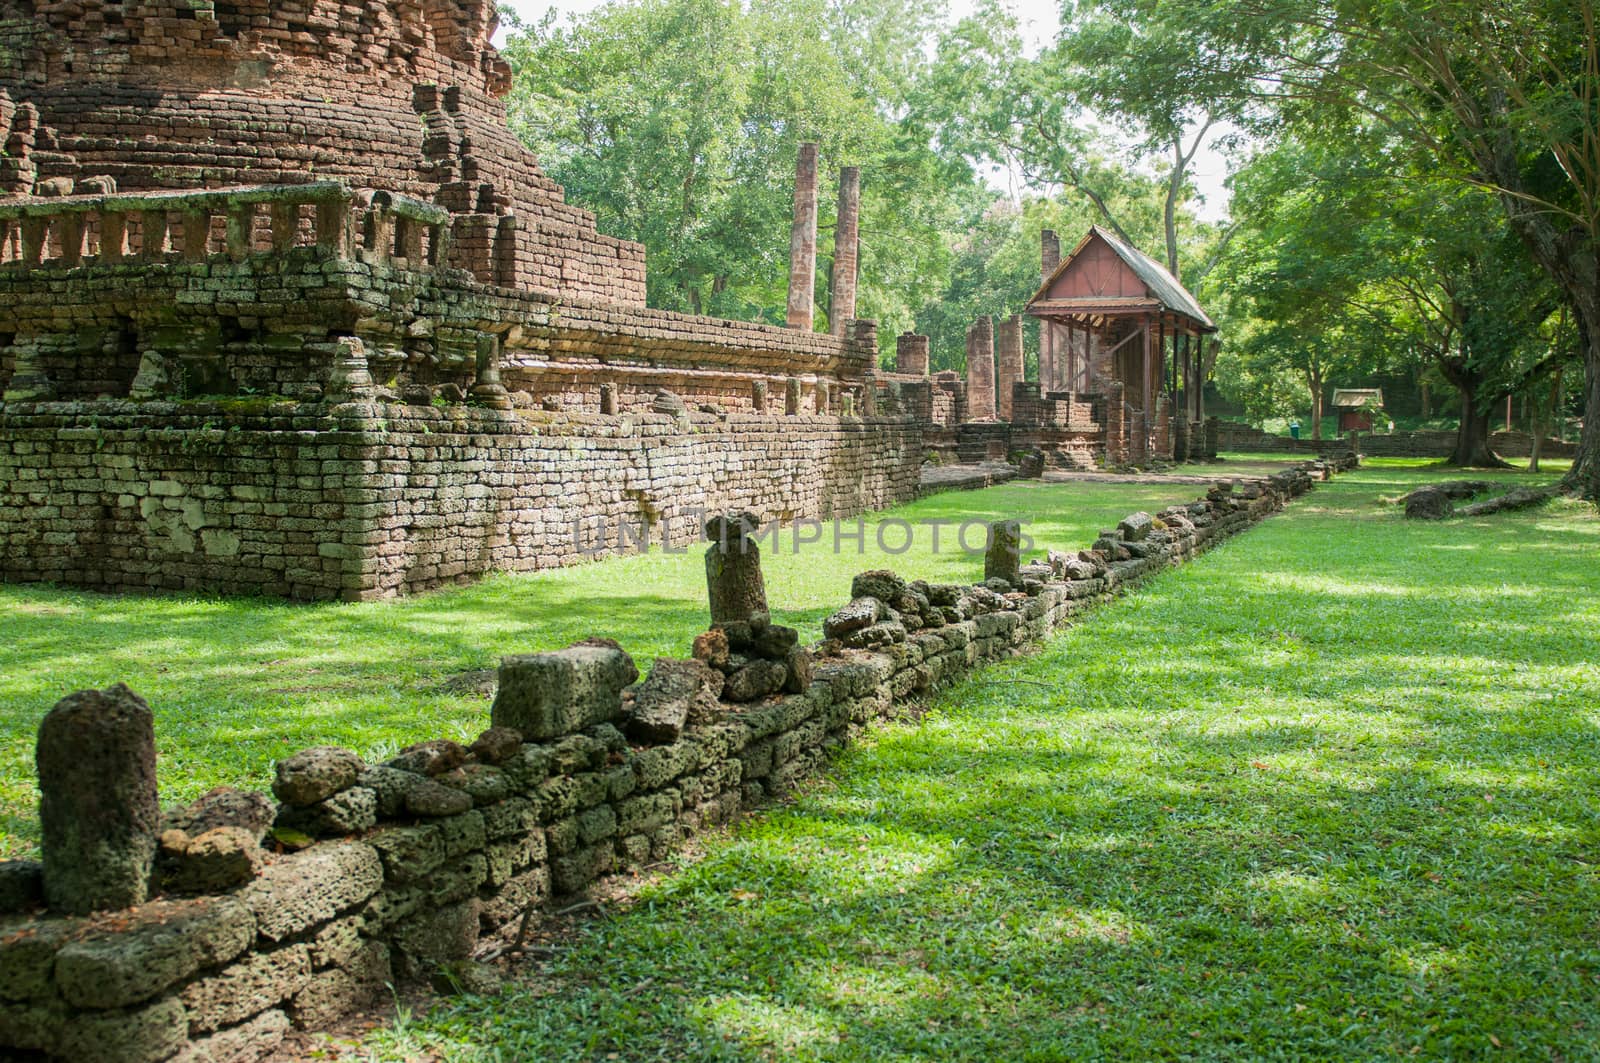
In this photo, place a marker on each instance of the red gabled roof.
(1105, 272)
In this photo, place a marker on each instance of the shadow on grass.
(1252, 814)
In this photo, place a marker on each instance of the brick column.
(842, 302)
(1010, 371)
(980, 370)
(803, 240)
(911, 354)
(1050, 358)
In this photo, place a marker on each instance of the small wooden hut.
(1111, 315)
(1356, 407)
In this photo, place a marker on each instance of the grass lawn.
(237, 684)
(1332, 792)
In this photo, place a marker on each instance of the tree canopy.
(1417, 185)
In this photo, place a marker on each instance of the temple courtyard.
(1328, 791)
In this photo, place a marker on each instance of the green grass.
(1330, 792)
(237, 684)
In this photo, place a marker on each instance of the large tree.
(1502, 97)
(1350, 261)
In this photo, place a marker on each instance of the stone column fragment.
(803, 241)
(842, 302)
(1003, 559)
(911, 354)
(735, 589)
(980, 370)
(1010, 370)
(1051, 355)
(98, 809)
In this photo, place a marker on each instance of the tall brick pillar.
(980, 370)
(1009, 372)
(911, 354)
(842, 301)
(803, 240)
(1050, 335)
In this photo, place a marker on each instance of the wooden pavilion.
(1110, 314)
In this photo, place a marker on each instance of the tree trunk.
(1472, 437)
(1427, 403)
(1584, 477)
(1314, 381)
(1569, 257)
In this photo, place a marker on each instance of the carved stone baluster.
(113, 236)
(70, 229)
(153, 234)
(196, 236)
(241, 230)
(285, 226)
(333, 227)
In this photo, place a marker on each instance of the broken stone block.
(442, 935)
(881, 584)
(296, 892)
(389, 786)
(799, 671)
(224, 806)
(346, 812)
(217, 860)
(674, 694)
(1003, 558)
(549, 695)
(315, 774)
(497, 744)
(98, 812)
(860, 613)
(426, 797)
(712, 648)
(1135, 526)
(434, 757)
(246, 988)
(134, 959)
(756, 680)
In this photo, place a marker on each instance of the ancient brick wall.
(401, 97)
(362, 501)
(414, 859)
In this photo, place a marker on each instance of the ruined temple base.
(363, 500)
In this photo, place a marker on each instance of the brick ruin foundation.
(286, 308)
(179, 935)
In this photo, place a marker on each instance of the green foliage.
(677, 122)
(1292, 826)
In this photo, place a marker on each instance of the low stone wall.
(1422, 444)
(365, 500)
(401, 867)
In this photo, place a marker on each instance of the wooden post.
(1144, 414)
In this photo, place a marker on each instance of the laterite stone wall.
(405, 865)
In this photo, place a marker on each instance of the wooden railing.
(196, 226)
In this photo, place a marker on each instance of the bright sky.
(1040, 19)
